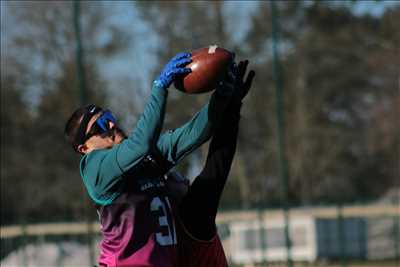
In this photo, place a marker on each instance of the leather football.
(209, 65)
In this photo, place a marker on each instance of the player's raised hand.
(242, 84)
(174, 68)
(226, 86)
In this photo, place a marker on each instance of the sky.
(372, 7)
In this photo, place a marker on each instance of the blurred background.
(316, 180)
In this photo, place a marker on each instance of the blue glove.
(174, 68)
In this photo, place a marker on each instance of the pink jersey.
(198, 253)
(142, 229)
(139, 229)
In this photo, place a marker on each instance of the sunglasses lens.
(104, 119)
(95, 130)
(102, 126)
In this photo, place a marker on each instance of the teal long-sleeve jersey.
(103, 170)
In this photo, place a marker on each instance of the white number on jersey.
(169, 239)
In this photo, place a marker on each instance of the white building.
(357, 232)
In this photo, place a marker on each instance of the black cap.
(90, 111)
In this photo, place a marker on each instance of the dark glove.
(242, 86)
(226, 86)
(174, 68)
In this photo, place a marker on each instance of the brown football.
(209, 65)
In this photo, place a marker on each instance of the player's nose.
(111, 125)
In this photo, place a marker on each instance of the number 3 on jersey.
(162, 239)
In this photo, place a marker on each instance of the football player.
(126, 175)
(198, 242)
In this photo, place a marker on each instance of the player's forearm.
(199, 216)
(223, 146)
(217, 107)
(175, 145)
(146, 132)
(225, 137)
(178, 143)
(228, 122)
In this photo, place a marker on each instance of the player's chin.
(118, 136)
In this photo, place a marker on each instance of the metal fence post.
(284, 170)
(24, 244)
(263, 243)
(396, 236)
(80, 69)
(396, 228)
(341, 235)
(83, 100)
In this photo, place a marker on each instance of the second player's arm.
(176, 144)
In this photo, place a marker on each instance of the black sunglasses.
(100, 127)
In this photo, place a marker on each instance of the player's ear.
(83, 148)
